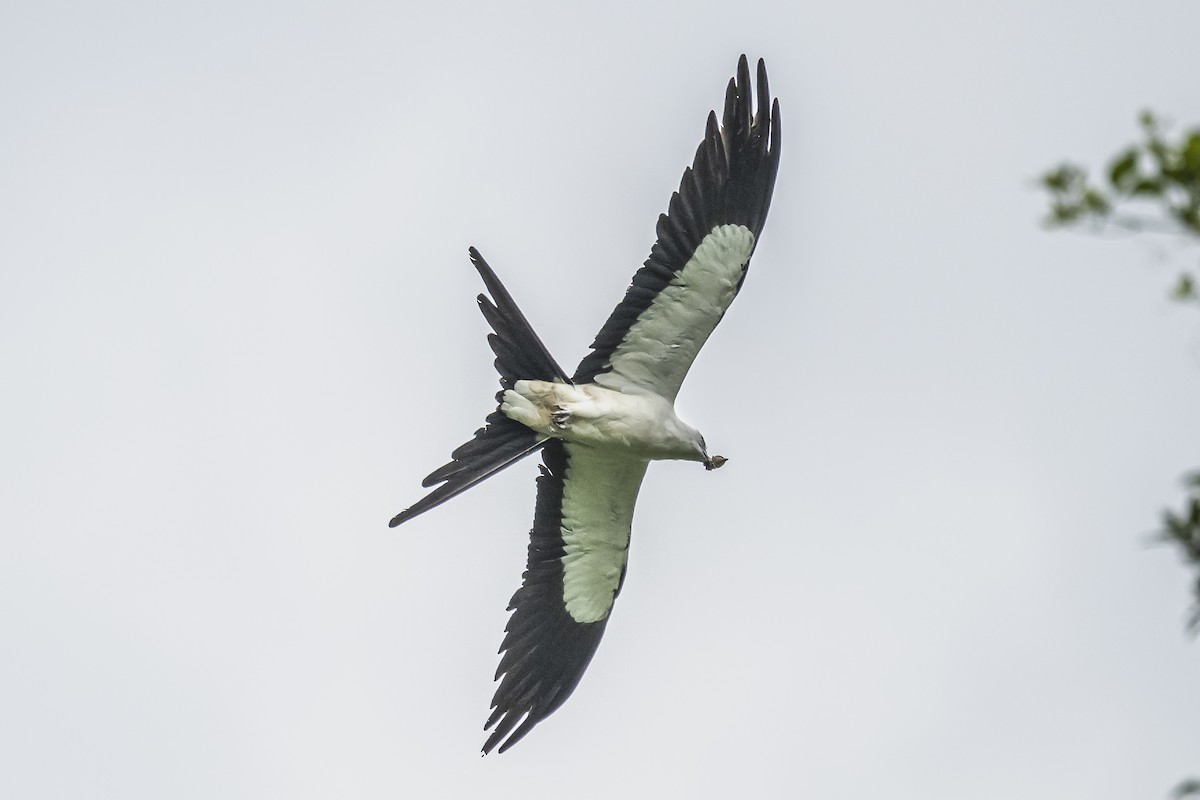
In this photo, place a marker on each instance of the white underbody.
(610, 438)
(642, 425)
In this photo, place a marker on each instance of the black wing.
(729, 184)
(501, 442)
(577, 555)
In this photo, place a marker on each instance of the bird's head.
(710, 462)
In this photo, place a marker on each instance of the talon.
(560, 417)
(716, 462)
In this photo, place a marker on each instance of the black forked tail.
(501, 442)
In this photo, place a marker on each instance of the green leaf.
(1124, 169)
(1148, 187)
(1063, 213)
(1185, 289)
(1190, 153)
(1095, 203)
(1062, 177)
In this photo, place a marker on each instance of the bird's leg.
(715, 462)
(561, 417)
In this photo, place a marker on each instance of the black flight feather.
(501, 442)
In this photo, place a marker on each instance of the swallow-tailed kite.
(601, 427)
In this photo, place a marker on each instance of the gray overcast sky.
(237, 327)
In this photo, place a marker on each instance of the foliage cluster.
(1152, 186)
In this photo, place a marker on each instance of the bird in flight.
(598, 429)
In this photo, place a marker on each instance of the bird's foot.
(560, 417)
(715, 462)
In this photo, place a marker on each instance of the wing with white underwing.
(577, 555)
(705, 241)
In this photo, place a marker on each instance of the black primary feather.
(729, 183)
